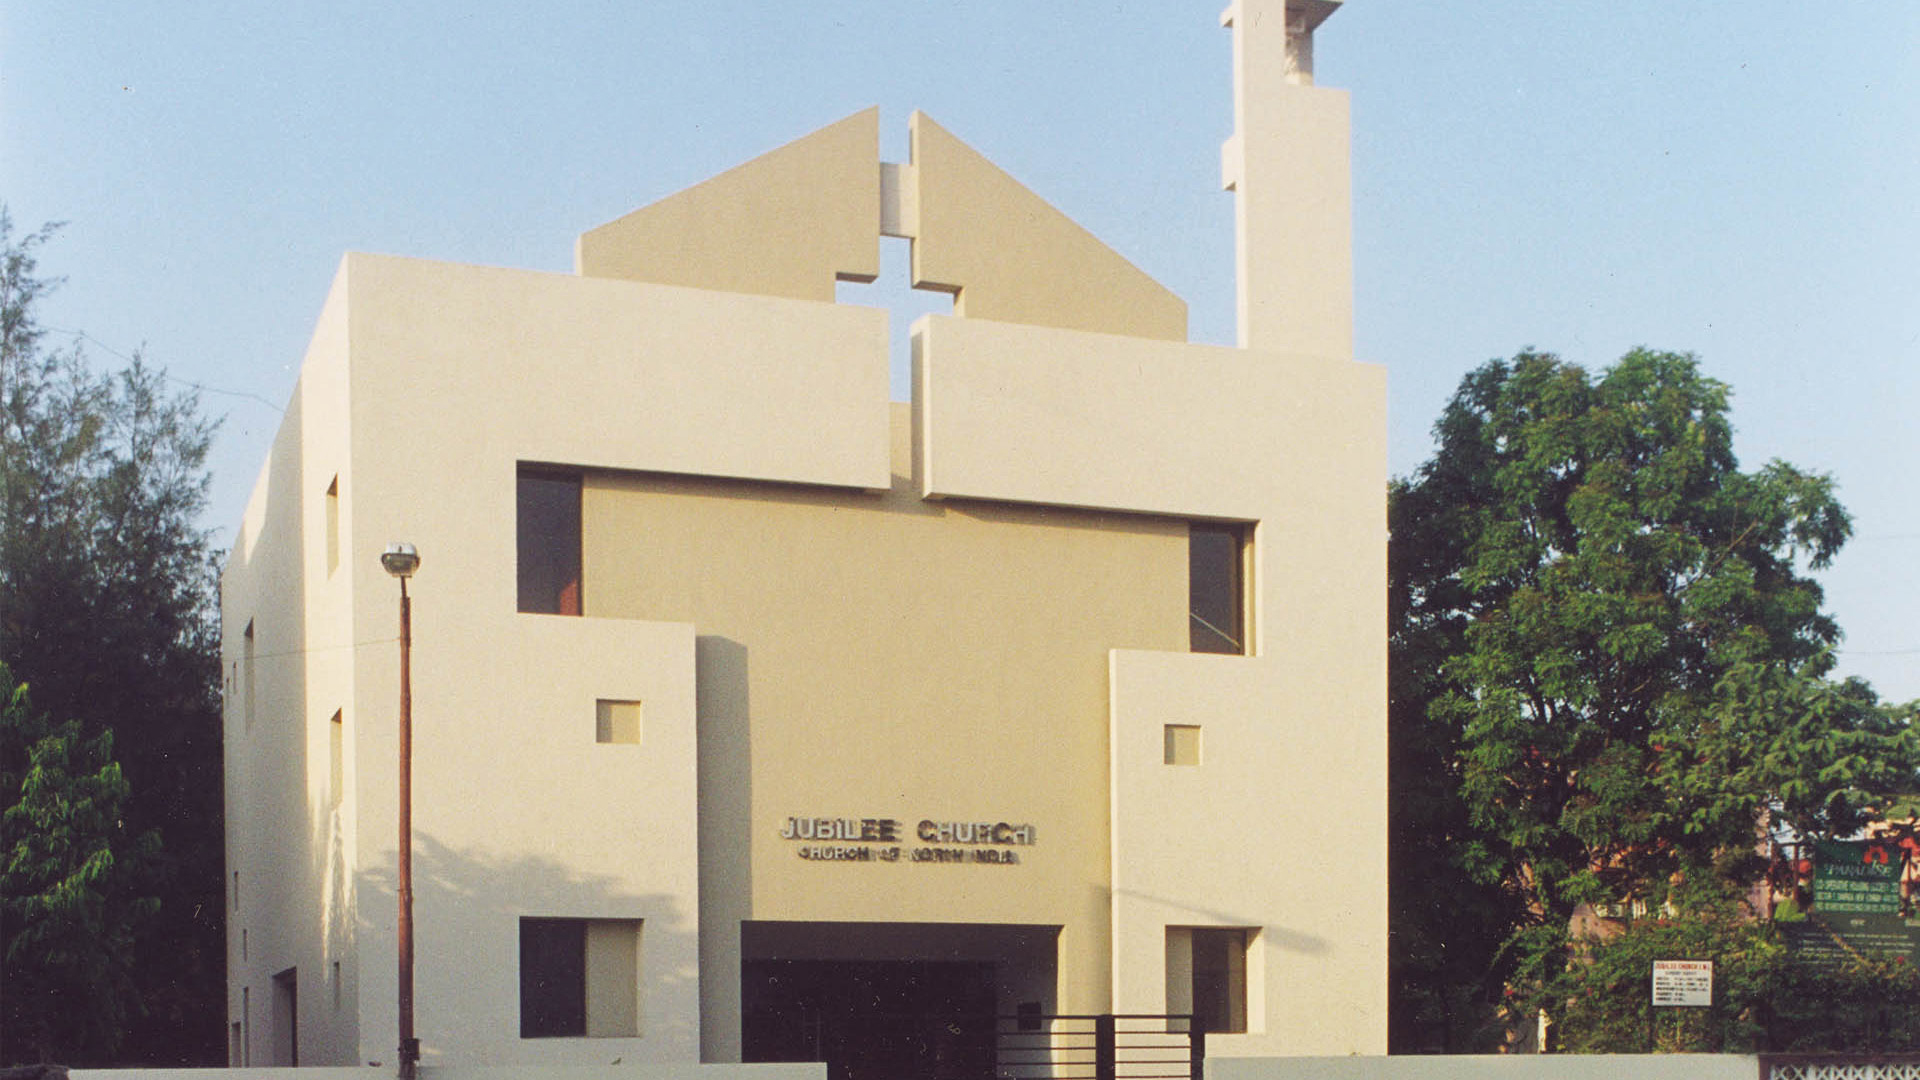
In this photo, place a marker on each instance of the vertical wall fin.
(1288, 165)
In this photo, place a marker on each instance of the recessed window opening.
(1207, 976)
(336, 760)
(579, 978)
(1217, 588)
(286, 1018)
(617, 722)
(333, 526)
(548, 536)
(1182, 744)
(246, 674)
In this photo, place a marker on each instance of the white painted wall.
(1491, 1067)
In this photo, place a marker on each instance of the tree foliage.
(1765, 998)
(109, 614)
(71, 876)
(1609, 662)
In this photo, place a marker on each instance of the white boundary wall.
(1410, 1067)
(637, 1071)
(1491, 1067)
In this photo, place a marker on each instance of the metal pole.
(409, 1046)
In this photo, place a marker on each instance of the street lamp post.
(401, 560)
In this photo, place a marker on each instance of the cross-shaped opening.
(903, 303)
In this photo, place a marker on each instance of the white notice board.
(1683, 982)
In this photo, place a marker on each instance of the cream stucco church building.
(757, 717)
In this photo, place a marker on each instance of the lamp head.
(401, 560)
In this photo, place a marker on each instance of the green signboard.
(1856, 877)
(1837, 939)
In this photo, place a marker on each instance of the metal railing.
(1840, 1067)
(1029, 1046)
(1135, 1046)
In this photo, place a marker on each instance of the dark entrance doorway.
(872, 1019)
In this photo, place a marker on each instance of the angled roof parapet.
(788, 223)
(1010, 256)
(793, 221)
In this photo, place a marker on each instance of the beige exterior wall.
(879, 656)
(1009, 256)
(966, 609)
(1295, 735)
(788, 223)
(291, 847)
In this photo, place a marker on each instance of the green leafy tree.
(1765, 998)
(1612, 669)
(109, 613)
(71, 876)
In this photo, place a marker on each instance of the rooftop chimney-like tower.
(1288, 165)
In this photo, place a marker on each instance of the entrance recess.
(890, 1001)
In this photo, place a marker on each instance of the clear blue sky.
(1739, 180)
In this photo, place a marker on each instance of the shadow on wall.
(467, 907)
(1293, 941)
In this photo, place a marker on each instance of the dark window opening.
(1217, 588)
(1220, 980)
(548, 528)
(286, 1018)
(553, 978)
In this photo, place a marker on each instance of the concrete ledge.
(1491, 1067)
(641, 1071)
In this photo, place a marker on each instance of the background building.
(745, 698)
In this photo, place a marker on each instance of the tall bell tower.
(1288, 164)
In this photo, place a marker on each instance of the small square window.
(1183, 744)
(617, 722)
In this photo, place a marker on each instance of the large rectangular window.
(1217, 588)
(579, 977)
(548, 528)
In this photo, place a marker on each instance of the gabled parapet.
(792, 222)
(788, 223)
(1009, 256)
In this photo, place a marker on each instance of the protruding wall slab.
(613, 374)
(1011, 257)
(1036, 415)
(788, 223)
